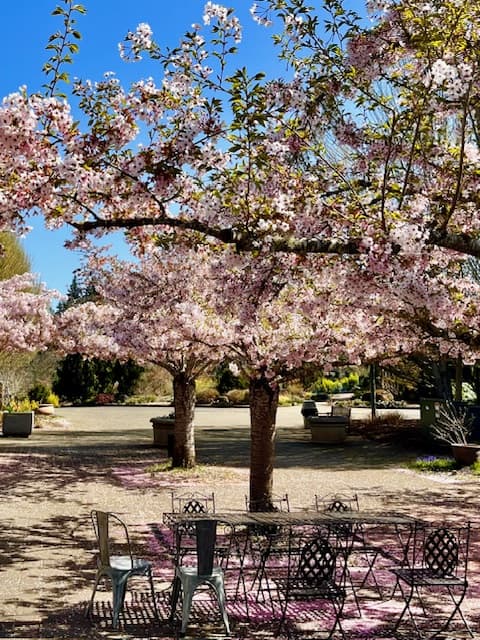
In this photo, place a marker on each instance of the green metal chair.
(118, 568)
(189, 578)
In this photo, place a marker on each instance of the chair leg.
(175, 595)
(90, 604)
(187, 605)
(118, 589)
(220, 591)
(154, 598)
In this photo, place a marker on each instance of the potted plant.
(18, 419)
(453, 425)
(44, 398)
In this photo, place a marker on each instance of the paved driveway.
(98, 458)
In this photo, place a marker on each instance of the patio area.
(100, 458)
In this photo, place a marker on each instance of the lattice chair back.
(317, 563)
(441, 552)
(337, 502)
(193, 503)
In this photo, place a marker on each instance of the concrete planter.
(328, 429)
(46, 409)
(17, 424)
(162, 428)
(309, 409)
(466, 454)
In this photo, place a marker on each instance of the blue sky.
(27, 25)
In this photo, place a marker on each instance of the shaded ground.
(52, 480)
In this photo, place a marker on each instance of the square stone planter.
(328, 429)
(163, 429)
(17, 424)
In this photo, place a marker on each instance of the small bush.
(104, 398)
(476, 468)
(52, 398)
(21, 405)
(147, 399)
(432, 463)
(238, 396)
(207, 396)
(40, 393)
(206, 390)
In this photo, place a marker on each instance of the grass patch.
(475, 468)
(434, 463)
(205, 473)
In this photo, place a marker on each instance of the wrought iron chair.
(339, 503)
(312, 574)
(118, 568)
(189, 578)
(194, 503)
(268, 542)
(438, 565)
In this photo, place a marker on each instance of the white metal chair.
(118, 568)
(189, 578)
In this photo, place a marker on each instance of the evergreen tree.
(80, 380)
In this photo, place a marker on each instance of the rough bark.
(263, 412)
(184, 435)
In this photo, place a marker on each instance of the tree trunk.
(458, 379)
(373, 390)
(184, 435)
(263, 412)
(442, 380)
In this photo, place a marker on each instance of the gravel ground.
(96, 458)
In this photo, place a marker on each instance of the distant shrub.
(206, 390)
(207, 396)
(104, 398)
(432, 463)
(146, 399)
(52, 398)
(335, 385)
(381, 395)
(238, 396)
(40, 393)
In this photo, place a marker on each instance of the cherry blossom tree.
(361, 165)
(157, 310)
(26, 322)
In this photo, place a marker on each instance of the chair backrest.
(336, 502)
(193, 503)
(316, 563)
(441, 552)
(102, 522)
(206, 534)
(443, 548)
